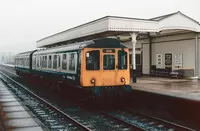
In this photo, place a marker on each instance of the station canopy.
(114, 26)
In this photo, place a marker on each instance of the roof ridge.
(164, 16)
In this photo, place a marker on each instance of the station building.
(161, 45)
(173, 46)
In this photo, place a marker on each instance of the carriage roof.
(97, 43)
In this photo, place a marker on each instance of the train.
(100, 66)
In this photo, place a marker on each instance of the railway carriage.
(99, 66)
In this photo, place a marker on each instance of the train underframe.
(71, 89)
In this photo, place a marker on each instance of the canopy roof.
(114, 25)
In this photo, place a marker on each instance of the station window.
(137, 58)
(64, 62)
(72, 61)
(93, 60)
(50, 62)
(108, 62)
(122, 59)
(54, 61)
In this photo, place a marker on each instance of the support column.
(150, 53)
(133, 40)
(196, 73)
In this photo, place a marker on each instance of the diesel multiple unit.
(96, 65)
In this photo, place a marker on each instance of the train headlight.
(92, 81)
(122, 79)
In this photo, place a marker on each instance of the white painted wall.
(187, 47)
(181, 43)
(145, 61)
(199, 55)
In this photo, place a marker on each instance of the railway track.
(144, 122)
(51, 116)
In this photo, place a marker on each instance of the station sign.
(168, 60)
(178, 60)
(159, 60)
(108, 50)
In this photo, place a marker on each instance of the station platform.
(181, 88)
(13, 115)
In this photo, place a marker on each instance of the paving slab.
(20, 123)
(12, 109)
(27, 129)
(14, 103)
(13, 115)
(7, 100)
(18, 115)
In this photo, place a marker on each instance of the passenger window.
(93, 60)
(58, 60)
(28, 62)
(122, 60)
(23, 61)
(54, 61)
(34, 62)
(72, 62)
(38, 61)
(41, 61)
(108, 62)
(45, 61)
(50, 62)
(64, 62)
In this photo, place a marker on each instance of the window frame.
(110, 54)
(86, 64)
(126, 60)
(67, 62)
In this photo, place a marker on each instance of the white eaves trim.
(114, 25)
(106, 24)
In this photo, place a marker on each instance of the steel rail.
(124, 122)
(162, 121)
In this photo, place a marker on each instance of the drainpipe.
(196, 73)
(150, 53)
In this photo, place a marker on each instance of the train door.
(122, 63)
(109, 67)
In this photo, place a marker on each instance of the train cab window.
(64, 62)
(108, 62)
(93, 60)
(122, 60)
(54, 61)
(72, 61)
(50, 62)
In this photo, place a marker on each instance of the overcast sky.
(23, 22)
